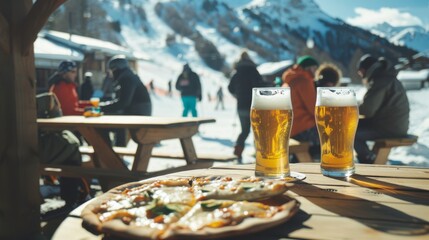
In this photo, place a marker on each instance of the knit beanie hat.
(307, 61)
(366, 61)
(118, 62)
(186, 67)
(66, 66)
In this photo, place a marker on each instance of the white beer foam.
(337, 101)
(271, 102)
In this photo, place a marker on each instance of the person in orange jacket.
(300, 79)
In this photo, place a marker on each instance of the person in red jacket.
(64, 86)
(300, 79)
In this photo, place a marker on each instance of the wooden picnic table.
(378, 202)
(145, 131)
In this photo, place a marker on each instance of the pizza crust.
(119, 229)
(89, 216)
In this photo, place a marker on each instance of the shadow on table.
(49, 227)
(279, 232)
(409, 194)
(372, 214)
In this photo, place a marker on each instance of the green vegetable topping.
(210, 205)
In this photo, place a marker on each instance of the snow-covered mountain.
(211, 33)
(415, 37)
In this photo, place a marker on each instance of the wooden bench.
(382, 147)
(87, 170)
(300, 149)
(116, 176)
(119, 176)
(124, 151)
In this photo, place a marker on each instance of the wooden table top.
(378, 202)
(112, 121)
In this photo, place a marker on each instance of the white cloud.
(368, 18)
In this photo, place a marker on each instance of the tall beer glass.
(271, 118)
(337, 118)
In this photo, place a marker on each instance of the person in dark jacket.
(86, 89)
(189, 85)
(245, 77)
(219, 99)
(107, 87)
(131, 96)
(385, 108)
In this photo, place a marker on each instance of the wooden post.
(20, 200)
(20, 21)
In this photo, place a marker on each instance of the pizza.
(194, 207)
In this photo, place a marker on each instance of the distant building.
(48, 55)
(414, 79)
(414, 72)
(416, 62)
(92, 55)
(269, 71)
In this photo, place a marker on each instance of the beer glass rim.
(342, 89)
(271, 88)
(330, 97)
(262, 98)
(335, 88)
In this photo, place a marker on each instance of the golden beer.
(271, 119)
(94, 101)
(336, 119)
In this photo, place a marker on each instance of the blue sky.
(365, 13)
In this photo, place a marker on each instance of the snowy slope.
(166, 62)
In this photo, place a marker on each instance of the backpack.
(55, 146)
(48, 105)
(60, 147)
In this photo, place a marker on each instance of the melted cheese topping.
(228, 213)
(243, 189)
(168, 195)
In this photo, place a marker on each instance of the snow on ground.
(220, 137)
(418, 154)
